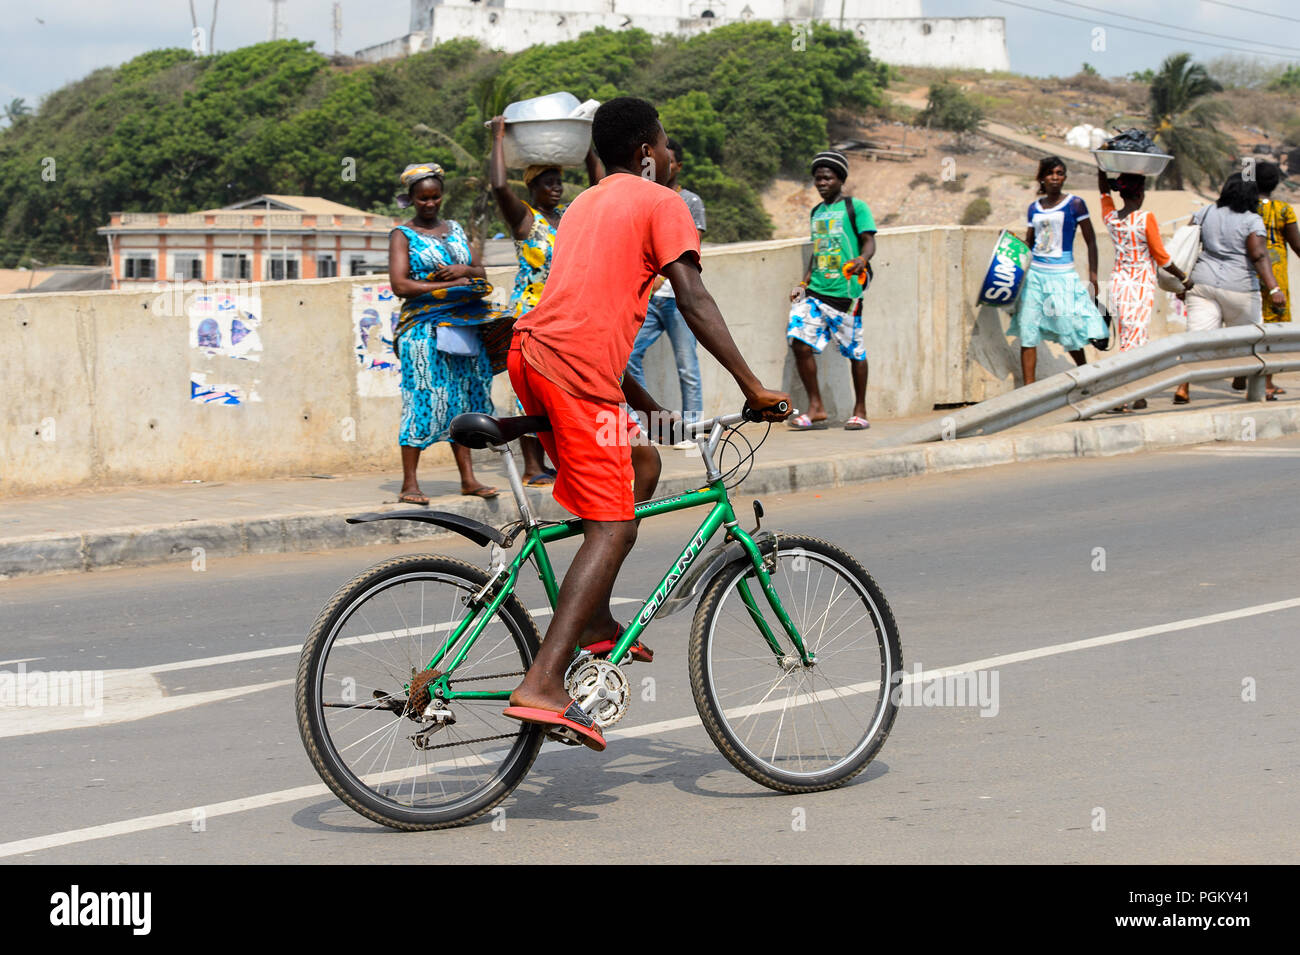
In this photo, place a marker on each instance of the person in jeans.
(1233, 265)
(662, 314)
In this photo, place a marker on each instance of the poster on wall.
(374, 317)
(224, 337)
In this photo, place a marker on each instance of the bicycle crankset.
(600, 688)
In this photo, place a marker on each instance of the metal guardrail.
(1249, 351)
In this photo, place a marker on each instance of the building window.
(326, 267)
(137, 267)
(187, 266)
(356, 265)
(279, 267)
(235, 265)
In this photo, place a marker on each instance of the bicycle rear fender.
(697, 579)
(480, 533)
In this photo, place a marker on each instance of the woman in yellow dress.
(532, 226)
(1280, 223)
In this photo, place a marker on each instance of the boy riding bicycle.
(567, 362)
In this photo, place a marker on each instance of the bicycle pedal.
(565, 735)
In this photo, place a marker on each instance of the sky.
(47, 43)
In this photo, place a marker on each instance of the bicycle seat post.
(516, 483)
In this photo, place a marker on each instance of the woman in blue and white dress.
(445, 368)
(1055, 305)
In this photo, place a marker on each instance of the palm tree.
(16, 110)
(1185, 123)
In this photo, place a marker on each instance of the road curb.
(198, 541)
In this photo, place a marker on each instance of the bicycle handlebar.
(746, 413)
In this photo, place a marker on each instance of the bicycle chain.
(466, 742)
(491, 676)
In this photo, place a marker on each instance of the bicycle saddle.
(480, 430)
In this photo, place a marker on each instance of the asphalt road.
(1134, 748)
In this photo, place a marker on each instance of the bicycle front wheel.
(796, 728)
(363, 698)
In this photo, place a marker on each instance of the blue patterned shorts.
(815, 323)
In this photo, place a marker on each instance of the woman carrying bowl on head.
(532, 226)
(1054, 305)
(445, 368)
(1138, 251)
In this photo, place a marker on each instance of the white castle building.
(895, 30)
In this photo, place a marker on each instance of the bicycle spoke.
(800, 720)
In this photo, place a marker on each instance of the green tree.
(1184, 122)
(948, 107)
(16, 109)
(1288, 81)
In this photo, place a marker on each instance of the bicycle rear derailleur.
(600, 688)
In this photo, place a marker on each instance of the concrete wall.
(895, 29)
(97, 387)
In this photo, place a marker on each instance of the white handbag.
(1184, 248)
(458, 340)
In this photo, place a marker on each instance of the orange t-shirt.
(612, 242)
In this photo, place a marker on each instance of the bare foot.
(540, 698)
(479, 490)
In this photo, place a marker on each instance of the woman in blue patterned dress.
(445, 369)
(1054, 305)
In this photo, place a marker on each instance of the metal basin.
(1119, 161)
(551, 142)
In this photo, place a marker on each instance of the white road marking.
(248, 803)
(20, 660)
(127, 695)
(1241, 451)
(136, 694)
(201, 662)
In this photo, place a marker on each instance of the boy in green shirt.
(828, 303)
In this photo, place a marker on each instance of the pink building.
(259, 240)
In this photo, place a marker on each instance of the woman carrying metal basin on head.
(1138, 252)
(532, 225)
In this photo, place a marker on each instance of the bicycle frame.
(489, 599)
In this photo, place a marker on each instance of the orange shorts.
(589, 441)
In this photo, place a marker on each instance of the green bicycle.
(793, 654)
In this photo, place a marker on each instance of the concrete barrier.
(98, 385)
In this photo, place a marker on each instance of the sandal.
(541, 479)
(1182, 399)
(637, 651)
(571, 725)
(483, 491)
(857, 424)
(804, 423)
(413, 497)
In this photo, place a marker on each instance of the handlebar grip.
(750, 414)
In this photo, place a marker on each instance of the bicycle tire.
(738, 727)
(328, 740)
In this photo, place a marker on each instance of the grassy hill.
(176, 132)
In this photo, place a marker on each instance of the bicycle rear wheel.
(363, 697)
(793, 728)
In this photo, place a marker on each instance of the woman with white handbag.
(1138, 251)
(1233, 265)
(445, 368)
